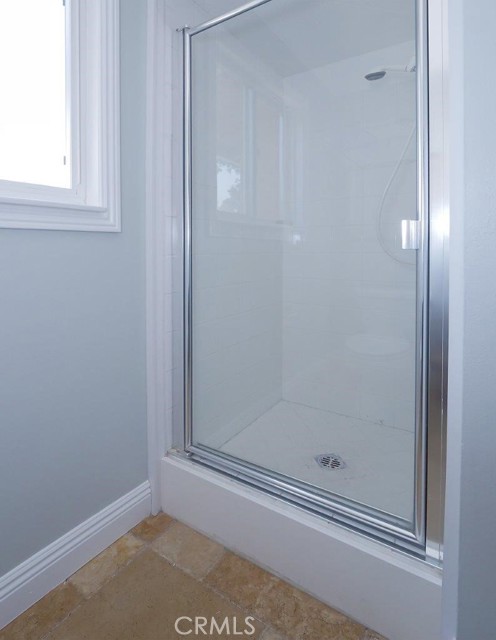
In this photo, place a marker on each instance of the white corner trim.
(93, 204)
(157, 261)
(42, 572)
(390, 592)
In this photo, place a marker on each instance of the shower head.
(380, 72)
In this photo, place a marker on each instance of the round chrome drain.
(330, 461)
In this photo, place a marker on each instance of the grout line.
(84, 598)
(148, 543)
(268, 624)
(235, 435)
(214, 564)
(225, 596)
(270, 628)
(118, 569)
(345, 415)
(208, 587)
(69, 614)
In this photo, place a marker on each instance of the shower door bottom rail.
(382, 527)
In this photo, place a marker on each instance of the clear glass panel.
(33, 105)
(304, 302)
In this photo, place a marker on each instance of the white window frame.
(93, 201)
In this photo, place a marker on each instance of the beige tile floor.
(161, 570)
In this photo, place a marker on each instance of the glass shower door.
(304, 262)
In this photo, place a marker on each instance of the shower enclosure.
(314, 343)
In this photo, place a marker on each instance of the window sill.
(33, 214)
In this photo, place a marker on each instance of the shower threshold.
(380, 526)
(259, 456)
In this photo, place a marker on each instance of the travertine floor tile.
(188, 549)
(131, 596)
(242, 581)
(152, 527)
(143, 602)
(90, 578)
(272, 634)
(372, 635)
(37, 621)
(301, 617)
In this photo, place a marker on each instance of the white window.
(59, 115)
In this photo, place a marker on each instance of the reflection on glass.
(230, 140)
(228, 186)
(304, 302)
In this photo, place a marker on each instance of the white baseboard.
(24, 585)
(390, 592)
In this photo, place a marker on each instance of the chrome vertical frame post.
(421, 381)
(437, 347)
(432, 284)
(187, 248)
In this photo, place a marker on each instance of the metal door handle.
(410, 236)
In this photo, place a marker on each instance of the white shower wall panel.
(349, 307)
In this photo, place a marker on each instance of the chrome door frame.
(424, 538)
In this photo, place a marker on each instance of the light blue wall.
(72, 351)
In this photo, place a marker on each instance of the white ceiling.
(297, 35)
